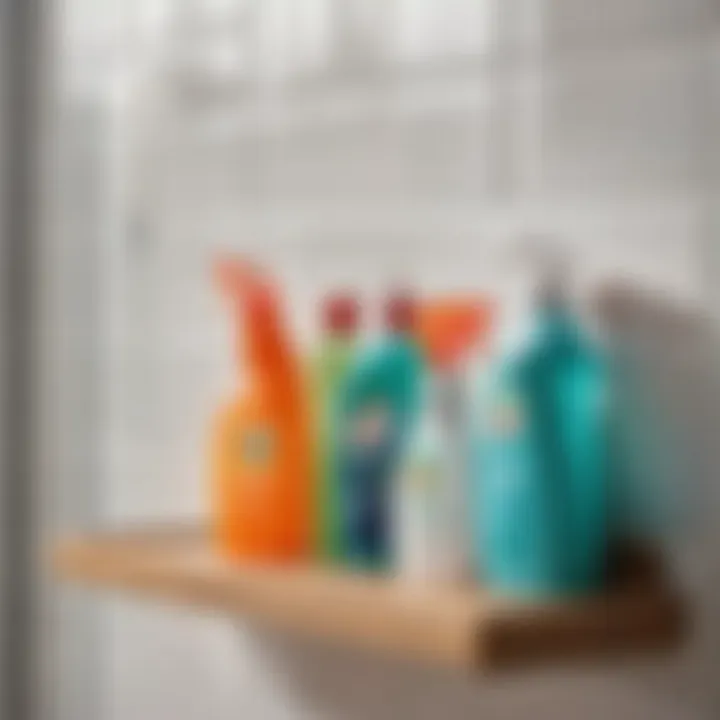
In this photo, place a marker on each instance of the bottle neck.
(443, 393)
(554, 318)
(339, 338)
(401, 334)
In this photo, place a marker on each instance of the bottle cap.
(340, 313)
(400, 312)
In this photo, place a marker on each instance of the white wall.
(601, 128)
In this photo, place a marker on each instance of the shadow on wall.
(678, 352)
(667, 361)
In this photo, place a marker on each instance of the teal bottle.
(378, 406)
(541, 479)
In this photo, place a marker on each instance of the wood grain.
(463, 627)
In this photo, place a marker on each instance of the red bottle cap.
(340, 313)
(400, 312)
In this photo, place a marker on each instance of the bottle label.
(371, 427)
(258, 446)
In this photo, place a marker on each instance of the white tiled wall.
(600, 131)
(579, 23)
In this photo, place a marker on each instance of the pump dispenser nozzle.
(550, 264)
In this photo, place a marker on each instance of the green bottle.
(340, 322)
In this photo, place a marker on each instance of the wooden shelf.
(465, 627)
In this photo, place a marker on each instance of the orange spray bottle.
(261, 450)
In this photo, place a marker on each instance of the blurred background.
(342, 142)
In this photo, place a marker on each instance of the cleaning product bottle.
(261, 450)
(378, 403)
(541, 512)
(340, 318)
(432, 516)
